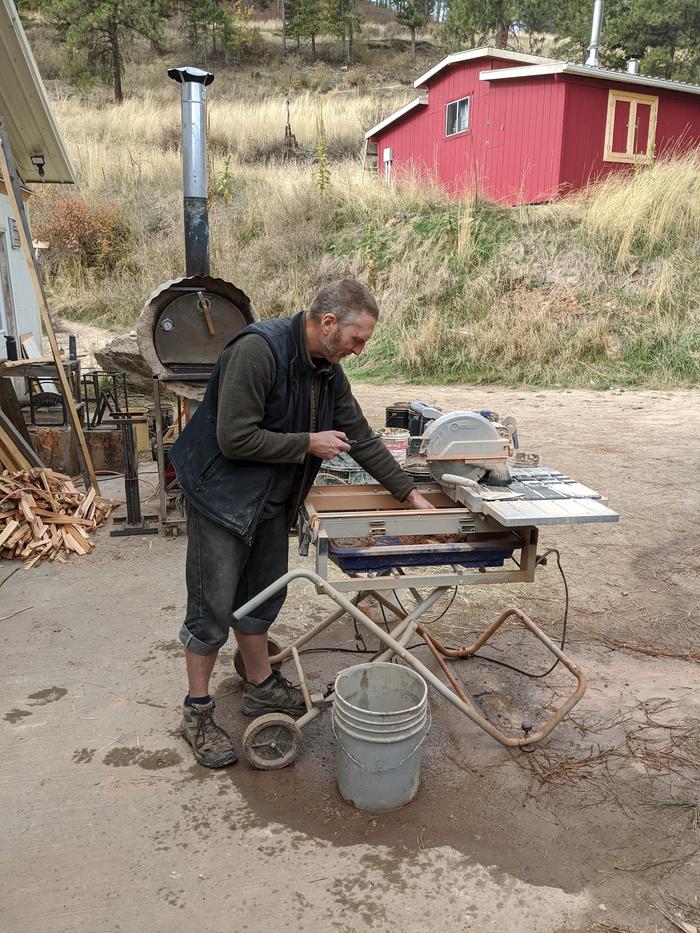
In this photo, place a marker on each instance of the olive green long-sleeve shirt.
(248, 372)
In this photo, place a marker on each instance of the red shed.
(521, 129)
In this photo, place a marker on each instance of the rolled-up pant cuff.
(249, 625)
(197, 646)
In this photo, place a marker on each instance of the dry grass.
(638, 740)
(600, 289)
(646, 214)
(112, 143)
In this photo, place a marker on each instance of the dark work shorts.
(223, 573)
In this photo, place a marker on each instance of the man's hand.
(327, 444)
(416, 501)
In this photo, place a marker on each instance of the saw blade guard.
(465, 444)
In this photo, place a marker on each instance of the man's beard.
(330, 344)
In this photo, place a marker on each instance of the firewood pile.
(43, 516)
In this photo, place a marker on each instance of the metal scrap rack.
(373, 537)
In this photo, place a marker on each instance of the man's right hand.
(327, 444)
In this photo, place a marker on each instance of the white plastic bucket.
(396, 442)
(380, 720)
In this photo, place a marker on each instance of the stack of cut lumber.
(42, 514)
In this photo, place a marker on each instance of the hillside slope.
(599, 289)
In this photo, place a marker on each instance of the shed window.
(630, 130)
(457, 117)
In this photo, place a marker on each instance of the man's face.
(344, 340)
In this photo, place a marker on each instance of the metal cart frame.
(273, 741)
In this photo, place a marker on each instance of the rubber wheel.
(272, 649)
(272, 741)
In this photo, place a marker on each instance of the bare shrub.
(80, 234)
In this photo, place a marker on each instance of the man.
(278, 403)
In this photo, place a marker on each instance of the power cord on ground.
(541, 559)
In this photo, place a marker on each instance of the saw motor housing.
(465, 444)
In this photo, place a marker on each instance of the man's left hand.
(415, 501)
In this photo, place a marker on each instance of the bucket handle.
(393, 767)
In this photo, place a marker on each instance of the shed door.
(8, 323)
(641, 129)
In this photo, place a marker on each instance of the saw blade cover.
(466, 444)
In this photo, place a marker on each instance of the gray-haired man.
(278, 404)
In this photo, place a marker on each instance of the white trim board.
(586, 71)
(396, 116)
(483, 52)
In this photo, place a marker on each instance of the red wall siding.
(509, 153)
(409, 139)
(520, 136)
(677, 127)
(528, 139)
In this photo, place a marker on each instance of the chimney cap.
(196, 75)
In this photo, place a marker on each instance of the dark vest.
(234, 492)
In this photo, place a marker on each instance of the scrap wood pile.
(43, 514)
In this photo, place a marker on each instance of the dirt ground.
(109, 826)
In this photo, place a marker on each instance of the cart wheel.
(239, 664)
(272, 741)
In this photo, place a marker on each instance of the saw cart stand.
(477, 535)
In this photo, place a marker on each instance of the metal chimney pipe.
(596, 29)
(193, 82)
(632, 66)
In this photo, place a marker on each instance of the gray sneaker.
(211, 745)
(277, 696)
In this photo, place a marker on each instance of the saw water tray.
(384, 552)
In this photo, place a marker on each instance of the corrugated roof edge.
(392, 118)
(22, 67)
(586, 71)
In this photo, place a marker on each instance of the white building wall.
(26, 308)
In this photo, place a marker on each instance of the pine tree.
(307, 21)
(214, 30)
(413, 15)
(481, 22)
(342, 19)
(95, 34)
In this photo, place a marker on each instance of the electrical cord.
(437, 618)
(482, 657)
(518, 670)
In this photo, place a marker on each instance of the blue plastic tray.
(387, 552)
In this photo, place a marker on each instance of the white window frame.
(447, 112)
(630, 156)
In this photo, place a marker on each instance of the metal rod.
(306, 637)
(131, 473)
(193, 82)
(160, 455)
(403, 632)
(596, 29)
(302, 680)
(395, 647)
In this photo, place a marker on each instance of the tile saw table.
(483, 530)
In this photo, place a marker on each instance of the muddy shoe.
(275, 695)
(210, 743)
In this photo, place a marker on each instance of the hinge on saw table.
(377, 528)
